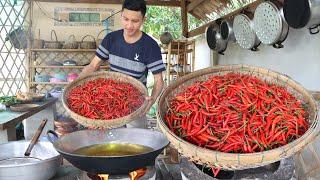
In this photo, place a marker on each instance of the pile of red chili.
(236, 113)
(104, 99)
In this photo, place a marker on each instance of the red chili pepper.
(237, 113)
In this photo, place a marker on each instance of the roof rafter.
(172, 3)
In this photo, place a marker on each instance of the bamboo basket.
(100, 40)
(38, 43)
(71, 43)
(234, 161)
(54, 43)
(101, 123)
(88, 44)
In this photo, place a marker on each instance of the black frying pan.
(115, 165)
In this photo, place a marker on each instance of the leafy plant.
(161, 19)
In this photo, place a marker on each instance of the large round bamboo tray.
(101, 123)
(233, 161)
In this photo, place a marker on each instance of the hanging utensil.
(302, 13)
(244, 32)
(214, 39)
(269, 24)
(26, 159)
(226, 31)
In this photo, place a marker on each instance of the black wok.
(115, 165)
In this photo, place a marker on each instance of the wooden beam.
(184, 18)
(201, 29)
(172, 3)
(194, 4)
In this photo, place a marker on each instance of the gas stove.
(186, 170)
(70, 172)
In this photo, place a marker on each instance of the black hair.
(135, 5)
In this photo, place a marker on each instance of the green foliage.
(160, 19)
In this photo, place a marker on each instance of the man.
(132, 52)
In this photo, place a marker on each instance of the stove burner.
(221, 175)
(283, 169)
(134, 175)
(148, 173)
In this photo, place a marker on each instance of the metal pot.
(37, 170)
(244, 32)
(166, 38)
(302, 13)
(214, 39)
(67, 144)
(18, 38)
(226, 31)
(269, 24)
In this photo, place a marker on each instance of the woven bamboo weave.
(100, 123)
(233, 161)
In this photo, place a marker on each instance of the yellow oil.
(113, 149)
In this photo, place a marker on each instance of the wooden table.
(9, 119)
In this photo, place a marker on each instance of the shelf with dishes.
(63, 50)
(179, 57)
(49, 83)
(64, 67)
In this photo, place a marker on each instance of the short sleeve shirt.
(134, 59)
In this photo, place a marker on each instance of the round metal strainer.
(267, 23)
(244, 33)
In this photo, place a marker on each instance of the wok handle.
(52, 136)
(35, 137)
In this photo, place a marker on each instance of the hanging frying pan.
(302, 13)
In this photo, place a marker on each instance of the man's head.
(133, 16)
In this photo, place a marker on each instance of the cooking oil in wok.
(113, 149)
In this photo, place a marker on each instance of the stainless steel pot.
(226, 31)
(215, 40)
(269, 24)
(302, 13)
(37, 170)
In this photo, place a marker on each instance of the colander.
(269, 24)
(244, 32)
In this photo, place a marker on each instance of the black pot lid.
(211, 37)
(297, 13)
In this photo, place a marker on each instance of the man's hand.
(92, 67)
(150, 102)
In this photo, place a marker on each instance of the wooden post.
(168, 63)
(184, 18)
(193, 55)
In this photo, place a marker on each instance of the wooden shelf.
(49, 83)
(175, 51)
(63, 50)
(64, 67)
(179, 73)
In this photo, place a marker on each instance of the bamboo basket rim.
(101, 123)
(234, 163)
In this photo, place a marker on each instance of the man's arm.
(156, 90)
(93, 66)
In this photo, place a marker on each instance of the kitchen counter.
(9, 119)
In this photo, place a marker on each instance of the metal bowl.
(38, 170)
